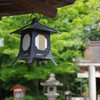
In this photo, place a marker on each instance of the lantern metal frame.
(33, 53)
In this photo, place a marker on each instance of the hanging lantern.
(35, 42)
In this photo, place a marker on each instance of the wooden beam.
(38, 6)
(89, 64)
(60, 3)
(5, 3)
(12, 9)
(45, 7)
(14, 13)
(0, 17)
(85, 75)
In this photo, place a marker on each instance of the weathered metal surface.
(45, 7)
(92, 52)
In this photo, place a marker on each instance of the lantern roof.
(52, 81)
(18, 87)
(45, 7)
(36, 26)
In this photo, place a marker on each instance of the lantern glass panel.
(18, 94)
(26, 42)
(41, 42)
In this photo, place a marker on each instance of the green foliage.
(28, 97)
(73, 21)
(8, 98)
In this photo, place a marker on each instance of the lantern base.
(37, 59)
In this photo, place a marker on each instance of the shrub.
(8, 98)
(28, 97)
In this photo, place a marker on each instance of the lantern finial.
(35, 20)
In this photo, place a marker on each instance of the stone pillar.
(68, 95)
(92, 83)
(52, 96)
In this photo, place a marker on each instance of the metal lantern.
(35, 42)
